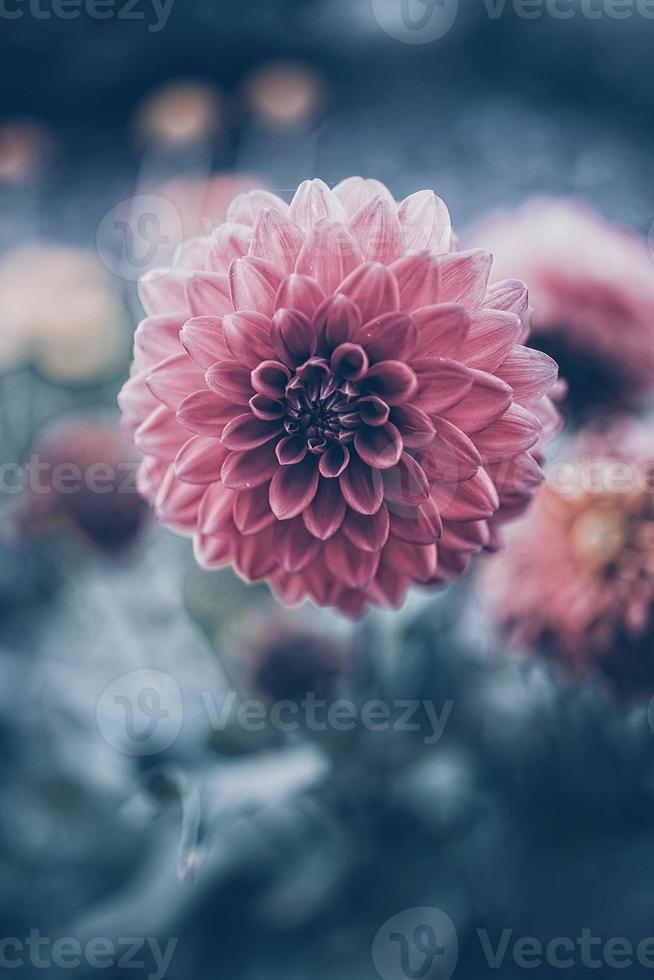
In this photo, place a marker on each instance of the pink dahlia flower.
(591, 283)
(576, 578)
(331, 399)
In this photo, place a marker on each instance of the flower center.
(321, 405)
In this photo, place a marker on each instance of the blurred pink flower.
(576, 577)
(332, 400)
(591, 284)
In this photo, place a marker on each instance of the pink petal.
(442, 330)
(159, 434)
(391, 336)
(418, 278)
(379, 446)
(254, 284)
(354, 192)
(335, 461)
(425, 222)
(314, 201)
(174, 379)
(163, 291)
(471, 500)
(464, 276)
(485, 402)
(255, 556)
(208, 294)
(405, 483)
(373, 410)
(293, 337)
(203, 339)
(530, 373)
(176, 503)
(291, 450)
(213, 552)
(451, 456)
(230, 380)
(266, 408)
(248, 337)
(349, 361)
(192, 254)
(377, 229)
(277, 239)
(374, 290)
(389, 587)
(206, 413)
(295, 547)
(516, 431)
(392, 381)
(248, 432)
(245, 208)
(243, 471)
(299, 293)
(362, 486)
(415, 426)
(157, 338)
(367, 532)
(510, 295)
(270, 378)
(227, 242)
(215, 511)
(416, 561)
(350, 564)
(325, 513)
(337, 320)
(418, 525)
(517, 476)
(252, 511)
(491, 336)
(328, 255)
(293, 488)
(442, 383)
(200, 460)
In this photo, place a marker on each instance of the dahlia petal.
(208, 294)
(227, 242)
(136, 401)
(373, 410)
(349, 361)
(391, 336)
(418, 279)
(516, 431)
(289, 589)
(393, 381)
(530, 373)
(374, 290)
(176, 503)
(266, 408)
(336, 321)
(354, 192)
(292, 488)
(490, 338)
(314, 201)
(230, 380)
(350, 602)
(247, 335)
(486, 401)
(415, 426)
(464, 276)
(248, 432)
(255, 555)
(164, 291)
(511, 295)
(252, 511)
(416, 561)
(293, 337)
(425, 222)
(389, 587)
(362, 486)
(215, 514)
(417, 525)
(441, 330)
(549, 415)
(291, 450)
(350, 564)
(174, 379)
(253, 284)
(200, 460)
(301, 293)
(157, 338)
(379, 446)
(245, 208)
(295, 547)
(405, 483)
(202, 337)
(451, 456)
(213, 552)
(518, 476)
(442, 383)
(328, 255)
(192, 254)
(270, 378)
(378, 231)
(159, 434)
(243, 471)
(325, 513)
(470, 500)
(471, 536)
(277, 239)
(205, 413)
(452, 564)
(369, 532)
(335, 461)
